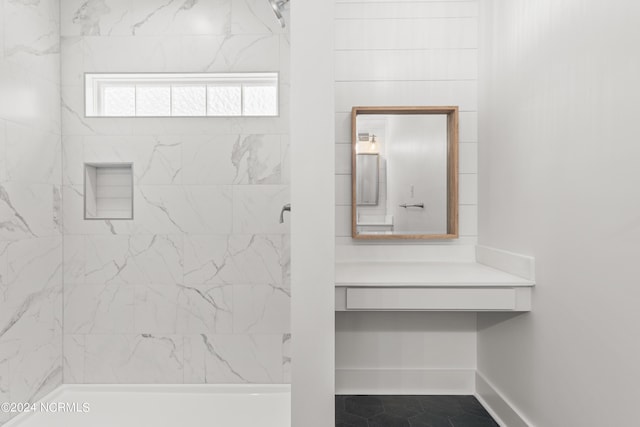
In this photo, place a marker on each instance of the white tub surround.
(444, 285)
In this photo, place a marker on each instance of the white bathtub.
(161, 405)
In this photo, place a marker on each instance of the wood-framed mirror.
(404, 172)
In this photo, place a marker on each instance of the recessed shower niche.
(108, 191)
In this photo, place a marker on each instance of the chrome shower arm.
(287, 208)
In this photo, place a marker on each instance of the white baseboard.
(500, 409)
(519, 265)
(405, 381)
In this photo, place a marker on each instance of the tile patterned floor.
(411, 411)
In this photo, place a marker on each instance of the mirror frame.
(452, 170)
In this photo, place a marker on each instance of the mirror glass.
(404, 178)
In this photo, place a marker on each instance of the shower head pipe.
(278, 7)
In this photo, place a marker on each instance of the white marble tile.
(156, 159)
(209, 209)
(4, 255)
(98, 309)
(28, 322)
(184, 191)
(3, 152)
(73, 219)
(4, 378)
(156, 309)
(170, 309)
(2, 32)
(136, 259)
(18, 218)
(72, 160)
(72, 53)
(286, 358)
(257, 159)
(73, 367)
(285, 261)
(205, 309)
(235, 259)
(208, 160)
(256, 209)
(35, 263)
(28, 98)
(30, 334)
(31, 36)
(36, 366)
(181, 17)
(29, 311)
(95, 17)
(227, 359)
(32, 156)
(244, 53)
(261, 309)
(131, 359)
(254, 17)
(143, 54)
(185, 127)
(266, 125)
(285, 162)
(155, 211)
(232, 159)
(285, 59)
(57, 210)
(75, 122)
(186, 209)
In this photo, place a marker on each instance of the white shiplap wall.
(407, 53)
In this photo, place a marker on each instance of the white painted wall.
(312, 223)
(376, 350)
(559, 180)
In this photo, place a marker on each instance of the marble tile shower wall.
(30, 178)
(195, 289)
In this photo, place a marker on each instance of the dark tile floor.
(411, 411)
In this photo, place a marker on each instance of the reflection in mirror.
(367, 165)
(404, 172)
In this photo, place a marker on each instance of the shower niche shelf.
(108, 191)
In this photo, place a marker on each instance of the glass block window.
(181, 95)
(224, 100)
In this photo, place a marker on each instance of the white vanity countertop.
(424, 274)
